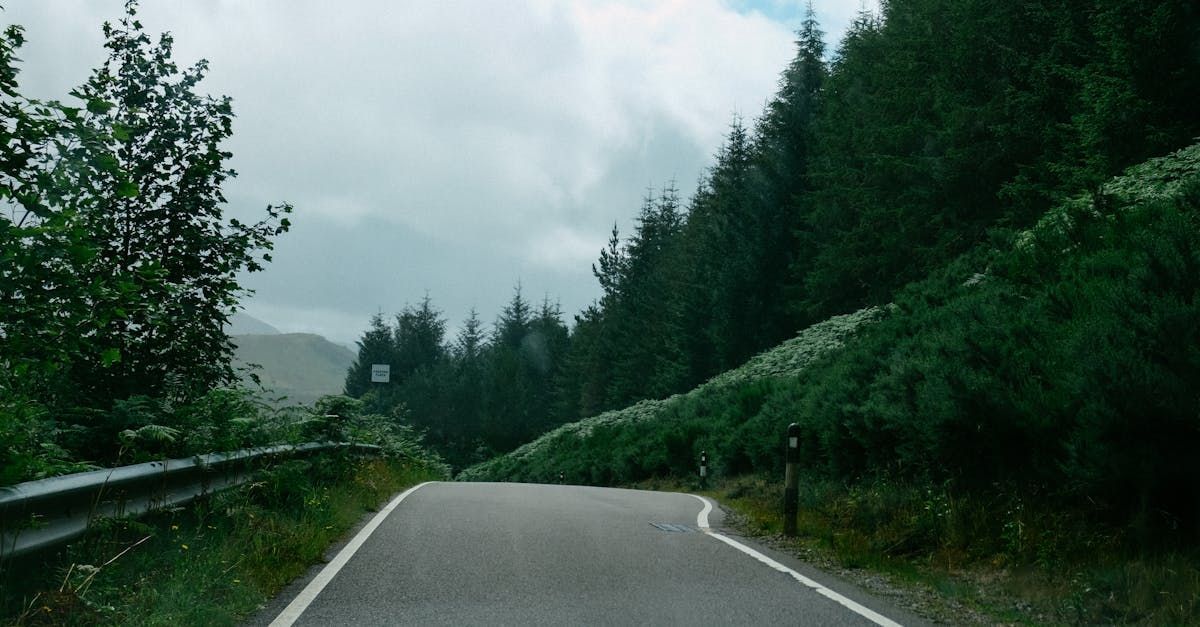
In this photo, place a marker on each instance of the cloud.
(454, 146)
(563, 247)
(469, 116)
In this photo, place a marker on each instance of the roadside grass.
(212, 563)
(665, 437)
(1027, 411)
(1005, 558)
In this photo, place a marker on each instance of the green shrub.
(31, 444)
(211, 563)
(1063, 361)
(657, 438)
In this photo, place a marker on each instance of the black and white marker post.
(703, 468)
(791, 481)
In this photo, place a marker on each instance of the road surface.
(521, 554)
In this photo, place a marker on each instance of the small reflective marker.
(791, 480)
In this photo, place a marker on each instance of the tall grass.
(212, 563)
(1013, 558)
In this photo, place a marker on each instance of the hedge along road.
(521, 554)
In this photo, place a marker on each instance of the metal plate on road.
(672, 527)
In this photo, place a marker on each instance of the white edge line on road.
(314, 587)
(853, 606)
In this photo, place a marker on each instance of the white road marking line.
(857, 608)
(702, 517)
(314, 587)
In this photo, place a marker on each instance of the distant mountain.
(301, 366)
(242, 323)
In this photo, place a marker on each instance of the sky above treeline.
(449, 148)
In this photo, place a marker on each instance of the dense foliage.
(1063, 362)
(665, 437)
(937, 129)
(480, 395)
(937, 124)
(1069, 362)
(118, 270)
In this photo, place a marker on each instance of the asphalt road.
(519, 554)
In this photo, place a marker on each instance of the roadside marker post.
(703, 468)
(791, 481)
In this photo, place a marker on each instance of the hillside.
(662, 437)
(299, 366)
(1068, 356)
(242, 323)
(1027, 413)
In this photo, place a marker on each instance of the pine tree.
(581, 388)
(1137, 89)
(613, 262)
(721, 246)
(513, 323)
(785, 147)
(466, 399)
(423, 372)
(543, 355)
(375, 347)
(507, 388)
(419, 338)
(470, 343)
(646, 317)
(785, 130)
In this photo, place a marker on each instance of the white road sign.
(381, 373)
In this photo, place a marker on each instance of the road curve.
(521, 554)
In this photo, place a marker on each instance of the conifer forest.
(960, 249)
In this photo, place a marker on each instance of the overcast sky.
(448, 147)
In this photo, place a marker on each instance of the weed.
(212, 563)
(1036, 562)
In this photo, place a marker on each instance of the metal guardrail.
(40, 514)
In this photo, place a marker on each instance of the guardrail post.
(791, 481)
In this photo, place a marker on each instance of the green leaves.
(126, 189)
(99, 107)
(120, 132)
(117, 268)
(110, 356)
